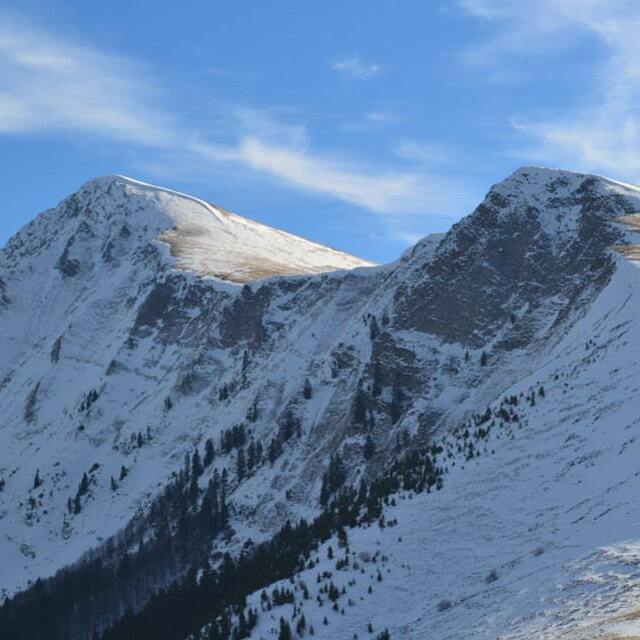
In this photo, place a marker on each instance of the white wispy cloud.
(355, 67)
(602, 133)
(48, 85)
(383, 192)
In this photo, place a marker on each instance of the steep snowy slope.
(537, 536)
(114, 355)
(94, 305)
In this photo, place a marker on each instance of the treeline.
(217, 602)
(168, 551)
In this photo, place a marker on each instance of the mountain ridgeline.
(214, 430)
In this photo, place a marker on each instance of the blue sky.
(360, 124)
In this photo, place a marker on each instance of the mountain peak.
(212, 241)
(558, 201)
(536, 180)
(530, 178)
(201, 237)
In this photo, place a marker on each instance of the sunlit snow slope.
(209, 240)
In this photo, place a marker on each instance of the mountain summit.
(119, 212)
(445, 446)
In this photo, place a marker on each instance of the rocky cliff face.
(137, 324)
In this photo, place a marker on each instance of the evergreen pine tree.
(325, 491)
(373, 328)
(196, 465)
(307, 391)
(83, 488)
(274, 450)
(252, 619)
(360, 408)
(214, 632)
(287, 428)
(194, 488)
(240, 464)
(397, 398)
(252, 411)
(209, 453)
(285, 630)
(369, 448)
(243, 627)
(376, 388)
(251, 456)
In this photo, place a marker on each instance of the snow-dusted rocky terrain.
(136, 323)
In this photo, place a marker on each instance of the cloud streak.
(379, 192)
(602, 133)
(47, 85)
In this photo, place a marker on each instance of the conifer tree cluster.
(233, 438)
(75, 505)
(176, 534)
(369, 448)
(333, 479)
(288, 428)
(252, 411)
(90, 397)
(247, 462)
(183, 521)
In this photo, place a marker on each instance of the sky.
(361, 124)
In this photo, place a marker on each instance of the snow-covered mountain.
(137, 323)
